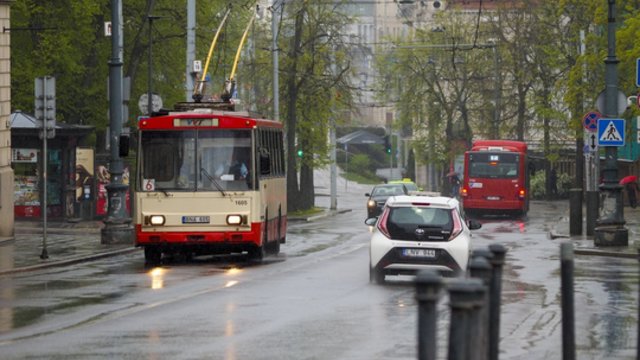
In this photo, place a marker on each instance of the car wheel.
(376, 276)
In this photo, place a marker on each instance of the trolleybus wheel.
(259, 252)
(152, 255)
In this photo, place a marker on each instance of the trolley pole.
(610, 230)
(118, 228)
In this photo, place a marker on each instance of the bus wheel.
(258, 253)
(152, 255)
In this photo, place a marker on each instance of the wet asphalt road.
(314, 301)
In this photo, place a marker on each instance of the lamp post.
(610, 230)
(149, 82)
(118, 227)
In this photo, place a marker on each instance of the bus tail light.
(464, 192)
(521, 194)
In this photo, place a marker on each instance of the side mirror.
(123, 150)
(367, 195)
(474, 225)
(371, 221)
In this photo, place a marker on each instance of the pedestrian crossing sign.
(610, 132)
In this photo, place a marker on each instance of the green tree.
(316, 87)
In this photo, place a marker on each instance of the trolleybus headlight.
(234, 219)
(155, 220)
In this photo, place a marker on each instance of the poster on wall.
(25, 156)
(26, 192)
(103, 179)
(84, 174)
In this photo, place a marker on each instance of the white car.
(418, 232)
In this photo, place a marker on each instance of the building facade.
(6, 172)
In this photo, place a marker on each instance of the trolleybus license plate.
(195, 219)
(493, 197)
(429, 253)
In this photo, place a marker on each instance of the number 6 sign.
(149, 184)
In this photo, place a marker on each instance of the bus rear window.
(493, 165)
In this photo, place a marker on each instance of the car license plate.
(428, 253)
(195, 219)
(493, 197)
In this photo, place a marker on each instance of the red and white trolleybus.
(209, 181)
(496, 178)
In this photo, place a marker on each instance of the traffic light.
(300, 153)
(387, 144)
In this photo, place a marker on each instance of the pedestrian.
(455, 185)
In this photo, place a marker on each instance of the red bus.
(209, 181)
(496, 178)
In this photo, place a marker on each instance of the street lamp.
(610, 230)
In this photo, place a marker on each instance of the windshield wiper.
(213, 181)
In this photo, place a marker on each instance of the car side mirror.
(367, 194)
(371, 221)
(474, 225)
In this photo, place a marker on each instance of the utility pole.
(275, 19)
(118, 227)
(610, 230)
(191, 48)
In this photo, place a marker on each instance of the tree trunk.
(293, 193)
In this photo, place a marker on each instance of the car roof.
(395, 185)
(423, 200)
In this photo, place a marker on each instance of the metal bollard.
(568, 323)
(480, 268)
(462, 297)
(495, 296)
(593, 204)
(428, 285)
(575, 211)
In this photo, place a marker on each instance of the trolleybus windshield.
(202, 160)
(493, 165)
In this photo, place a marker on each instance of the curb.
(69, 261)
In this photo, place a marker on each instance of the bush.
(538, 185)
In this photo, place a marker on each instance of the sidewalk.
(66, 243)
(584, 245)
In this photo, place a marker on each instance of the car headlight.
(235, 219)
(371, 204)
(155, 220)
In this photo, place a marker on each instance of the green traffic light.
(300, 153)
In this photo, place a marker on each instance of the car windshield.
(417, 216)
(403, 223)
(387, 190)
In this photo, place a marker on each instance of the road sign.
(620, 107)
(592, 142)
(590, 121)
(611, 132)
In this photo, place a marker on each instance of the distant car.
(379, 196)
(419, 232)
(410, 185)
